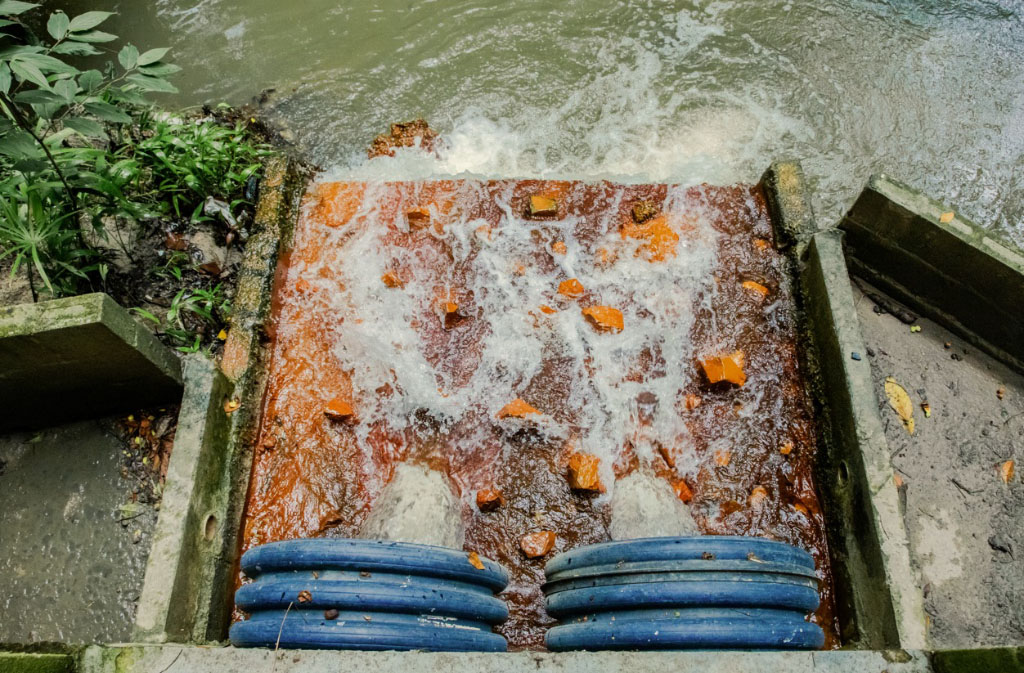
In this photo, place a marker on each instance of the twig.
(277, 645)
(961, 486)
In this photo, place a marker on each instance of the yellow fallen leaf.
(899, 400)
(232, 405)
(474, 560)
(946, 217)
(222, 335)
(1006, 471)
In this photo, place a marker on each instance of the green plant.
(193, 313)
(62, 133)
(188, 162)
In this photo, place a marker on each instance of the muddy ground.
(966, 526)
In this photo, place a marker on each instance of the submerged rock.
(418, 505)
(415, 133)
(644, 505)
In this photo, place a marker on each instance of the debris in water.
(756, 287)
(604, 318)
(339, 409)
(474, 560)
(946, 218)
(559, 247)
(584, 473)
(535, 545)
(900, 402)
(659, 238)
(391, 279)
(682, 490)
(416, 133)
(330, 614)
(725, 368)
(644, 210)
(417, 218)
(517, 408)
(1006, 471)
(489, 499)
(544, 308)
(786, 448)
(305, 596)
(571, 288)
(542, 206)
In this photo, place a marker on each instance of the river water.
(928, 91)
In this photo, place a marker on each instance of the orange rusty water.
(749, 457)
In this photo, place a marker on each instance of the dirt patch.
(964, 522)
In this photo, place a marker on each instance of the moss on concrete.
(27, 662)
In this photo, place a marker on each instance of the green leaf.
(159, 69)
(39, 97)
(75, 49)
(66, 89)
(58, 25)
(19, 144)
(87, 127)
(92, 36)
(48, 63)
(29, 72)
(153, 56)
(89, 20)
(147, 83)
(15, 7)
(5, 78)
(90, 80)
(107, 112)
(128, 57)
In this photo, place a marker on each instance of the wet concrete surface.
(74, 545)
(965, 522)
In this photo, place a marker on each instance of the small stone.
(391, 279)
(542, 206)
(517, 408)
(535, 545)
(1000, 392)
(558, 247)
(305, 596)
(331, 614)
(604, 318)
(947, 345)
(725, 368)
(339, 409)
(137, 536)
(998, 542)
(855, 356)
(584, 473)
(489, 499)
(644, 210)
(871, 352)
(956, 356)
(571, 288)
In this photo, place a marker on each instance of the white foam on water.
(378, 345)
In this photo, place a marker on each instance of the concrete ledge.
(954, 272)
(990, 660)
(185, 550)
(79, 357)
(171, 659)
(879, 600)
(789, 205)
(27, 662)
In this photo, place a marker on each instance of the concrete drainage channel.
(892, 236)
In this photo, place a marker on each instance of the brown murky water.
(360, 316)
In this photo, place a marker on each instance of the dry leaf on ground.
(899, 400)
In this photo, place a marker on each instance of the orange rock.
(723, 458)
(692, 402)
(757, 496)
(339, 409)
(725, 368)
(544, 308)
(418, 217)
(786, 448)
(604, 318)
(802, 508)
(583, 473)
(489, 499)
(392, 280)
(559, 248)
(474, 560)
(571, 288)
(659, 238)
(542, 206)
(535, 545)
(683, 491)
(517, 408)
(756, 287)
(762, 244)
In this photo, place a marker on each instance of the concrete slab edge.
(855, 470)
(954, 272)
(171, 659)
(31, 662)
(191, 515)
